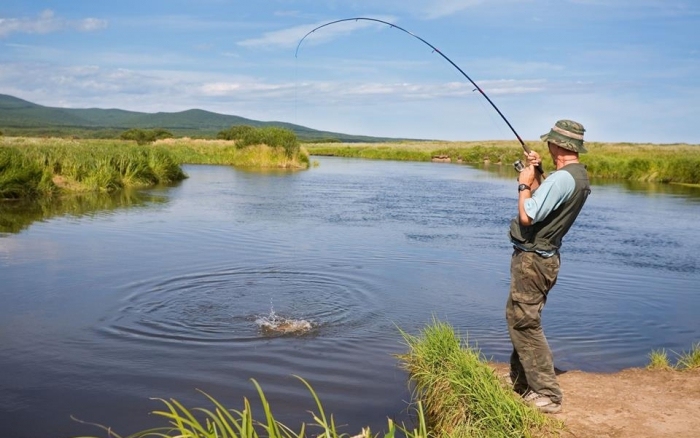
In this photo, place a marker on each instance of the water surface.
(159, 293)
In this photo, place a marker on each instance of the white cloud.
(290, 37)
(48, 22)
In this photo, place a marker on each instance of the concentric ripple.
(237, 305)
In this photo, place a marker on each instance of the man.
(546, 210)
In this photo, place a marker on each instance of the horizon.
(628, 71)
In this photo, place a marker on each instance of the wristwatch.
(522, 187)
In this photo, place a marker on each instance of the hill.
(21, 117)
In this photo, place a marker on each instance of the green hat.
(566, 134)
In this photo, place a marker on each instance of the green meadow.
(662, 163)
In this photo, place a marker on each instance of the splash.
(274, 324)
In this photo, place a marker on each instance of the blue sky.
(629, 70)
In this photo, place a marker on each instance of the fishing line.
(435, 50)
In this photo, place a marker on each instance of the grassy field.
(672, 163)
(197, 151)
(39, 167)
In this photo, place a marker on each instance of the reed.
(228, 152)
(32, 167)
(220, 422)
(461, 393)
(50, 166)
(21, 177)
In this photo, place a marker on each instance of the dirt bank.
(636, 402)
(631, 403)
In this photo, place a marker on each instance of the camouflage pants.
(531, 362)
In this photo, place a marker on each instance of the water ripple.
(215, 307)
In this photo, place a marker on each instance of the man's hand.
(527, 176)
(533, 158)
(530, 175)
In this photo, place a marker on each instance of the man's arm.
(531, 178)
(555, 190)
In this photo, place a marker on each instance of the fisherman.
(546, 210)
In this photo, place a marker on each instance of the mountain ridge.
(22, 117)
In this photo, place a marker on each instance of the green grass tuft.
(658, 360)
(461, 393)
(690, 360)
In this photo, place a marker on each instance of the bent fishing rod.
(435, 49)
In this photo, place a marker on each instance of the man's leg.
(531, 279)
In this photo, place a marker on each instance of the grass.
(220, 422)
(461, 393)
(225, 152)
(33, 167)
(658, 360)
(673, 163)
(57, 165)
(690, 360)
(456, 394)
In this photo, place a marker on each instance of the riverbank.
(458, 394)
(632, 403)
(663, 163)
(45, 167)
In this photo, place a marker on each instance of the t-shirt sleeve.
(555, 190)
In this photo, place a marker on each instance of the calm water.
(108, 301)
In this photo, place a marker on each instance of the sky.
(628, 70)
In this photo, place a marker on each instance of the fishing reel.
(519, 166)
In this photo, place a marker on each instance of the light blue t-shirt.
(556, 189)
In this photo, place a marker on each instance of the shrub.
(236, 132)
(274, 137)
(145, 136)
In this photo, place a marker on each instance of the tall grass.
(461, 393)
(50, 166)
(226, 152)
(220, 422)
(677, 163)
(21, 177)
(31, 167)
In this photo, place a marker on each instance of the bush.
(274, 137)
(234, 132)
(142, 136)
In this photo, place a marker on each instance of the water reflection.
(16, 216)
(690, 192)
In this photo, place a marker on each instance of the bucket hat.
(566, 134)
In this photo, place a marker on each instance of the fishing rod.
(435, 49)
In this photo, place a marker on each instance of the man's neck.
(565, 160)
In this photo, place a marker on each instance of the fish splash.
(274, 324)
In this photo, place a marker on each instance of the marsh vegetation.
(33, 167)
(673, 163)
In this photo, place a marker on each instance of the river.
(108, 302)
